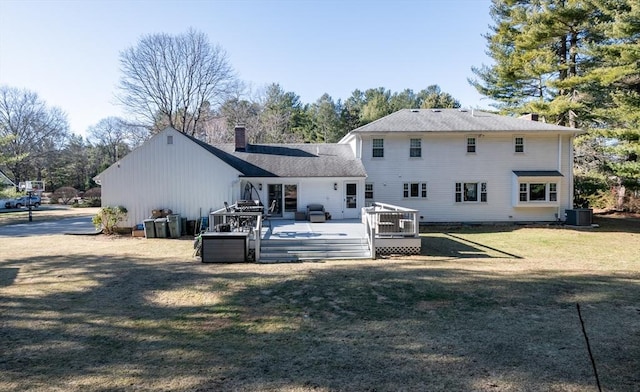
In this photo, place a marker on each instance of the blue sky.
(68, 51)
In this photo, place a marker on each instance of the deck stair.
(293, 250)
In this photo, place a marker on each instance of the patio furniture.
(316, 213)
(267, 216)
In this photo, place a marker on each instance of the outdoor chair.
(316, 213)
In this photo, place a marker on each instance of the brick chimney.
(241, 138)
(530, 116)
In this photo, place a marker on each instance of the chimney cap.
(529, 116)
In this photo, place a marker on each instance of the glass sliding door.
(291, 198)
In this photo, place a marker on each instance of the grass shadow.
(8, 276)
(452, 246)
(81, 322)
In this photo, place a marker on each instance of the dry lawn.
(484, 309)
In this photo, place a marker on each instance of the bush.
(93, 193)
(633, 203)
(108, 218)
(587, 187)
(603, 200)
(93, 197)
(9, 193)
(65, 194)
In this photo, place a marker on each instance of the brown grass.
(483, 309)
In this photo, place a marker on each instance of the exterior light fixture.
(260, 186)
(335, 186)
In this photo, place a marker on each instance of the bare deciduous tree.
(33, 129)
(112, 135)
(174, 80)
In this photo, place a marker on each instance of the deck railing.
(387, 220)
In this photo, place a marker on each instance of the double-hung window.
(518, 144)
(471, 192)
(368, 191)
(471, 144)
(415, 190)
(378, 148)
(415, 148)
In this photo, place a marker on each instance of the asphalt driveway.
(75, 225)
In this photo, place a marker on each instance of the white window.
(471, 192)
(415, 190)
(415, 148)
(368, 191)
(378, 148)
(291, 198)
(518, 144)
(538, 192)
(169, 139)
(553, 192)
(471, 144)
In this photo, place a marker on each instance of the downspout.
(560, 171)
(571, 170)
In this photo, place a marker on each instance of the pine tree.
(618, 76)
(541, 57)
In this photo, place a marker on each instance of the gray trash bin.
(161, 227)
(173, 221)
(149, 228)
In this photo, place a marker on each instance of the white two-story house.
(467, 166)
(450, 165)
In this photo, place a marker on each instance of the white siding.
(182, 176)
(445, 161)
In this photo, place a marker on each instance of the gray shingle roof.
(289, 160)
(537, 173)
(456, 120)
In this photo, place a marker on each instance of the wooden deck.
(283, 229)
